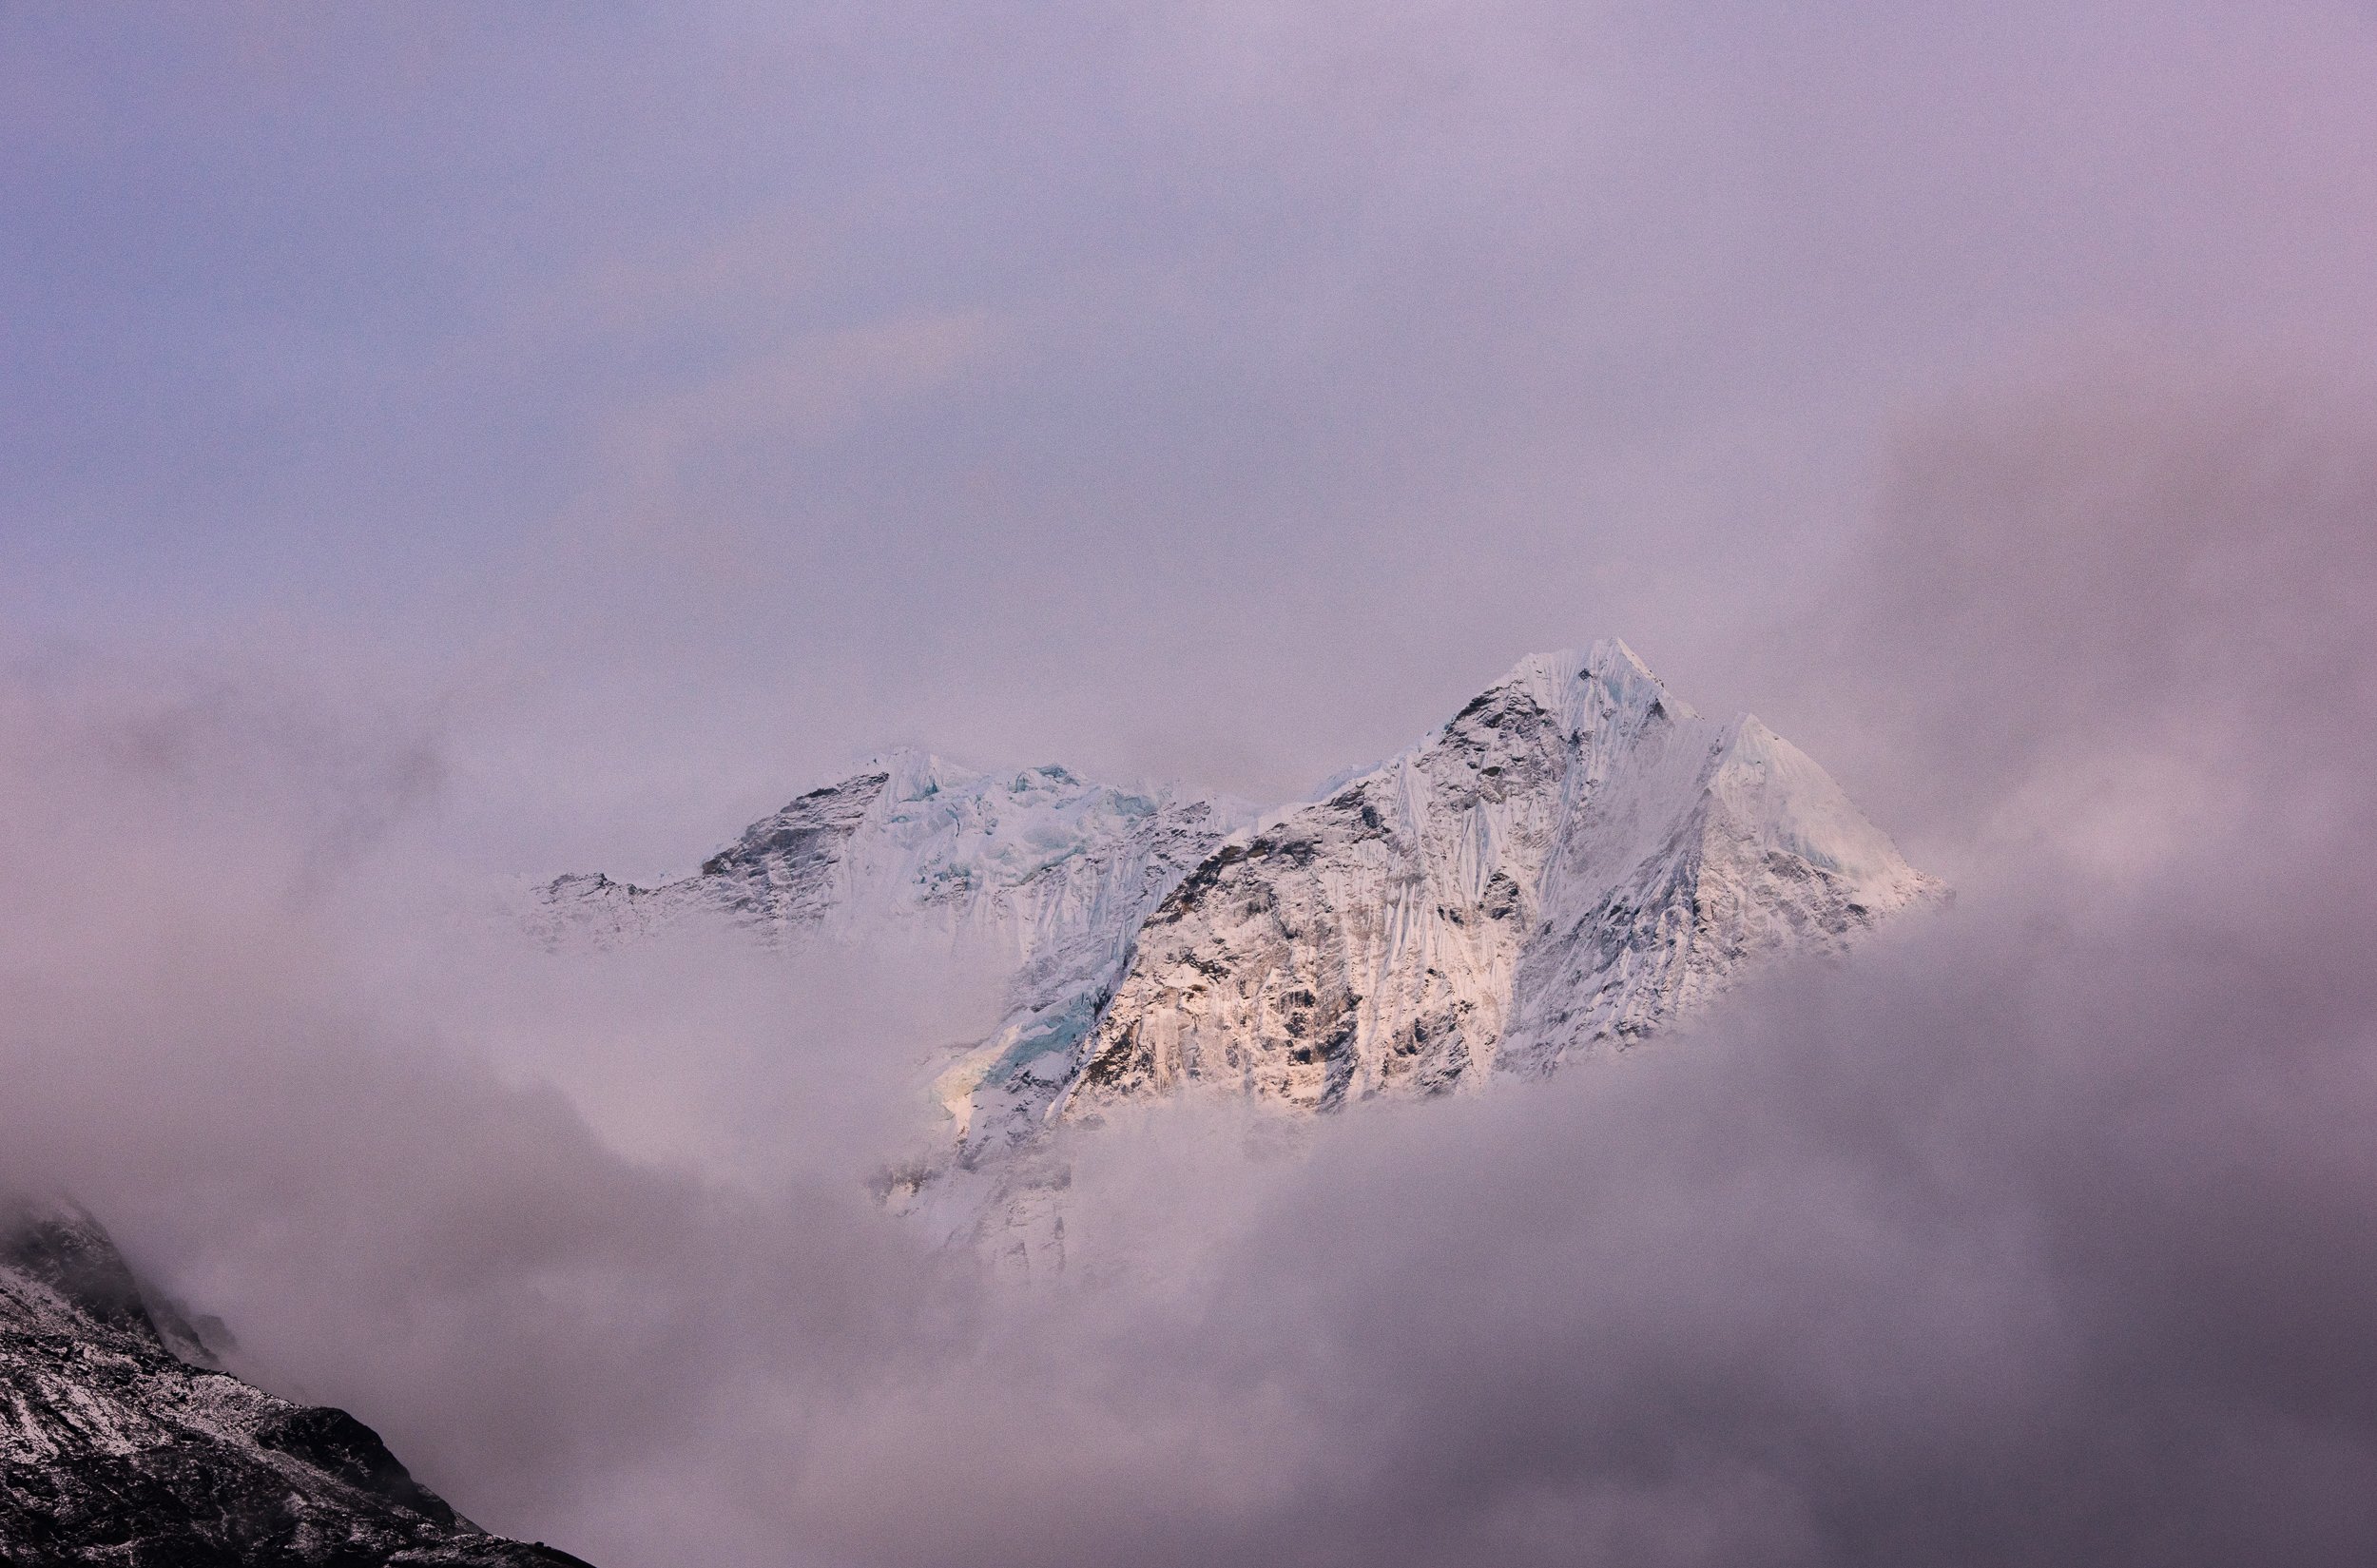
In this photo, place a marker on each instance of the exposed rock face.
(115, 1450)
(1573, 860)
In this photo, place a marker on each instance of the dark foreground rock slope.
(119, 1446)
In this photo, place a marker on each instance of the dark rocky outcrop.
(115, 1449)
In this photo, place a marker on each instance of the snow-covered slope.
(114, 1449)
(1030, 859)
(1575, 857)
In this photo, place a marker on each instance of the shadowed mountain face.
(116, 1449)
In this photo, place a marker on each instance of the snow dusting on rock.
(114, 1449)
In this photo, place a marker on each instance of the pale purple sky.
(685, 400)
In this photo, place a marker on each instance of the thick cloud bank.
(2044, 1231)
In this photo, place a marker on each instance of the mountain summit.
(1573, 860)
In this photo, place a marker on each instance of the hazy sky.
(683, 402)
(442, 439)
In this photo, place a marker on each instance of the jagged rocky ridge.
(122, 1443)
(1574, 860)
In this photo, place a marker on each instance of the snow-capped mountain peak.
(1572, 860)
(1025, 858)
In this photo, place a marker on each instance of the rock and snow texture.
(116, 1449)
(1050, 872)
(1571, 862)
(1577, 858)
